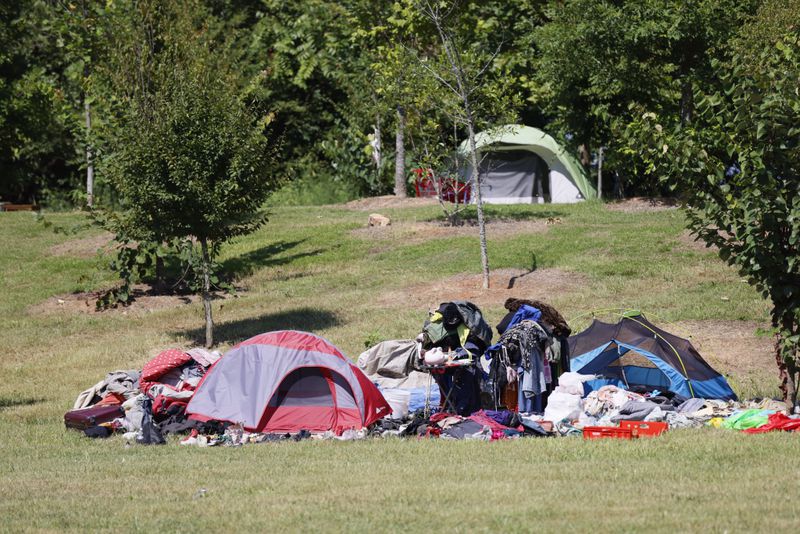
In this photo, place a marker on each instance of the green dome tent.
(512, 169)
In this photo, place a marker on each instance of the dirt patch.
(390, 201)
(640, 204)
(84, 247)
(413, 232)
(731, 347)
(146, 300)
(687, 241)
(544, 284)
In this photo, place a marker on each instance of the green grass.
(309, 269)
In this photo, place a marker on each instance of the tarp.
(390, 364)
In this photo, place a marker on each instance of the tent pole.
(624, 377)
(622, 368)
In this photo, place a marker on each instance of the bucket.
(398, 400)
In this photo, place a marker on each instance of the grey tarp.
(390, 364)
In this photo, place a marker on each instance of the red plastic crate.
(598, 432)
(643, 428)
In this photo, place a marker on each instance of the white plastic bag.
(561, 405)
(572, 383)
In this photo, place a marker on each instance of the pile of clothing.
(473, 376)
(143, 405)
(456, 326)
(456, 331)
(451, 382)
(531, 351)
(609, 405)
(394, 366)
(233, 435)
(483, 425)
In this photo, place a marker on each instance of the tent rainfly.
(287, 381)
(512, 169)
(635, 352)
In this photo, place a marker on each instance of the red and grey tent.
(287, 381)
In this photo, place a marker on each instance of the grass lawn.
(319, 269)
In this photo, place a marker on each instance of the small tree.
(77, 27)
(459, 65)
(187, 153)
(738, 167)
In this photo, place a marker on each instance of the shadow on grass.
(305, 319)
(502, 213)
(267, 256)
(6, 402)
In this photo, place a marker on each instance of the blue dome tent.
(635, 352)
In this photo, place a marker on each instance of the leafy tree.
(460, 66)
(738, 167)
(37, 159)
(78, 28)
(396, 91)
(186, 148)
(598, 60)
(396, 35)
(316, 79)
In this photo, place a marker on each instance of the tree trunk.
(792, 372)
(376, 146)
(207, 294)
(687, 103)
(464, 89)
(160, 271)
(600, 173)
(585, 154)
(400, 154)
(89, 158)
(477, 173)
(87, 112)
(787, 363)
(618, 189)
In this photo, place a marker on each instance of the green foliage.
(314, 191)
(37, 157)
(187, 149)
(333, 72)
(598, 62)
(133, 262)
(305, 65)
(738, 166)
(188, 154)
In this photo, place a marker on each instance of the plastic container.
(398, 400)
(599, 432)
(645, 428)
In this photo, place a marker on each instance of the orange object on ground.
(18, 207)
(597, 432)
(111, 399)
(645, 428)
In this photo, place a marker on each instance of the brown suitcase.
(89, 417)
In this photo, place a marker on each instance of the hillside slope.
(323, 270)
